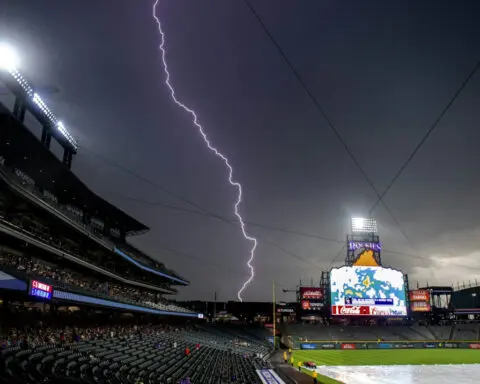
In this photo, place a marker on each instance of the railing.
(24, 275)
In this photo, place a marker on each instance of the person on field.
(315, 375)
(299, 366)
(285, 357)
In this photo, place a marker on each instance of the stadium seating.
(151, 356)
(73, 215)
(441, 332)
(35, 268)
(391, 333)
(465, 332)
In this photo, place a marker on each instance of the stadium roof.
(23, 150)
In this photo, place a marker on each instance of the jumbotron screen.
(367, 291)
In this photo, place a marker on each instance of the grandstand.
(452, 332)
(78, 300)
(120, 352)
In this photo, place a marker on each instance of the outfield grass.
(389, 357)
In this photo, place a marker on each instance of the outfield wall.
(417, 344)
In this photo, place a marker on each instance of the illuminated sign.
(39, 289)
(367, 291)
(420, 300)
(355, 245)
(285, 310)
(308, 305)
(419, 295)
(420, 306)
(311, 299)
(311, 293)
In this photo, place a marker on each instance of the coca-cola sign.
(308, 293)
(351, 310)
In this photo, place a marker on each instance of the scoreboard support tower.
(364, 236)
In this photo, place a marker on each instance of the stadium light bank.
(364, 225)
(9, 62)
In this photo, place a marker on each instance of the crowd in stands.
(40, 269)
(112, 348)
(95, 227)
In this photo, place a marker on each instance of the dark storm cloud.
(382, 71)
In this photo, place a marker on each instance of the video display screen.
(367, 291)
(39, 289)
(311, 299)
(420, 300)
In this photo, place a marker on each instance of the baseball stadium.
(80, 303)
(365, 325)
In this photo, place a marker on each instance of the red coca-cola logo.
(348, 346)
(351, 310)
(474, 346)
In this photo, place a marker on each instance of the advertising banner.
(326, 346)
(420, 306)
(269, 376)
(308, 346)
(311, 293)
(41, 290)
(403, 346)
(358, 310)
(392, 345)
(385, 346)
(452, 345)
(419, 295)
(420, 300)
(311, 299)
(285, 310)
(367, 291)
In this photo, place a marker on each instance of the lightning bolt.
(213, 149)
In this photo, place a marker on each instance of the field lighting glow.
(364, 225)
(9, 61)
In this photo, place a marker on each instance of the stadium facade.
(60, 241)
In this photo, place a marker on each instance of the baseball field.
(402, 366)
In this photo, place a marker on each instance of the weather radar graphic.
(373, 291)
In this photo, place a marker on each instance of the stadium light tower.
(364, 237)
(26, 94)
(9, 59)
(364, 225)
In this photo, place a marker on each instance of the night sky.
(382, 70)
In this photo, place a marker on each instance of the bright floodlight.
(8, 57)
(364, 224)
